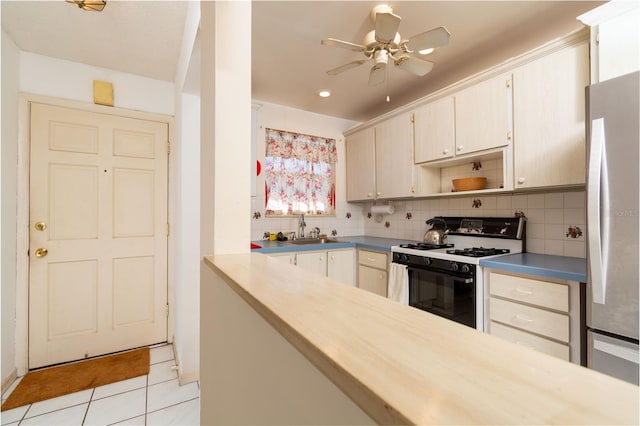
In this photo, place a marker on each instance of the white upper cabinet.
(549, 109)
(394, 157)
(615, 39)
(380, 160)
(483, 115)
(360, 165)
(434, 134)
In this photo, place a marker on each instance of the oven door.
(444, 293)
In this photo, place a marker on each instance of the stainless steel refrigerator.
(613, 215)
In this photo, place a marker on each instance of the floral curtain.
(299, 173)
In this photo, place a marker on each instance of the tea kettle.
(436, 236)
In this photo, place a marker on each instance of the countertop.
(560, 267)
(404, 365)
(372, 243)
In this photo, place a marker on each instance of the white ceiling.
(288, 62)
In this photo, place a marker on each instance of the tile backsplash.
(556, 221)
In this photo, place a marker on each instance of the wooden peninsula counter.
(280, 345)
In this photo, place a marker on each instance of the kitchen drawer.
(373, 259)
(529, 340)
(535, 320)
(534, 292)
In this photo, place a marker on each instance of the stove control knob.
(427, 261)
(404, 257)
(454, 266)
(465, 268)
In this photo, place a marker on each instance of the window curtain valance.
(303, 147)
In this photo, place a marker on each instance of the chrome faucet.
(301, 226)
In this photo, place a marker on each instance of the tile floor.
(154, 399)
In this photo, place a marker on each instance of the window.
(299, 174)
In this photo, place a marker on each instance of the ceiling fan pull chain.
(387, 82)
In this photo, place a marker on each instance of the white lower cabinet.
(372, 271)
(285, 257)
(341, 266)
(336, 264)
(541, 314)
(313, 261)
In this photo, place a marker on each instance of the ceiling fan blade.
(416, 66)
(386, 26)
(345, 67)
(343, 44)
(433, 38)
(377, 74)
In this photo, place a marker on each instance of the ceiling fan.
(384, 43)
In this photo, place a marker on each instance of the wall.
(187, 240)
(8, 231)
(186, 209)
(299, 121)
(58, 78)
(42, 75)
(550, 216)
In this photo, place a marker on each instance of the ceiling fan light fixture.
(91, 5)
(426, 51)
(324, 93)
(381, 57)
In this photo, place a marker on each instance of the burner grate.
(426, 246)
(478, 251)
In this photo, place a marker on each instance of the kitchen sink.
(306, 241)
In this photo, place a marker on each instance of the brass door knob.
(40, 226)
(41, 252)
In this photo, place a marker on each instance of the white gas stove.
(447, 279)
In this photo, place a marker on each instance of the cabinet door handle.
(521, 180)
(370, 259)
(332, 258)
(445, 151)
(369, 194)
(460, 148)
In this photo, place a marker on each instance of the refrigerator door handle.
(598, 235)
(617, 351)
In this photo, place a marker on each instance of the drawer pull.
(522, 318)
(369, 259)
(524, 291)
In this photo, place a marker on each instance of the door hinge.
(413, 118)
(168, 147)
(167, 310)
(168, 229)
(508, 82)
(598, 37)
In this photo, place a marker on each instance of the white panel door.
(98, 234)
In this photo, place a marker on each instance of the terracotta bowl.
(469, 184)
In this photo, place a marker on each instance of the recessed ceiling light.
(426, 51)
(324, 93)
